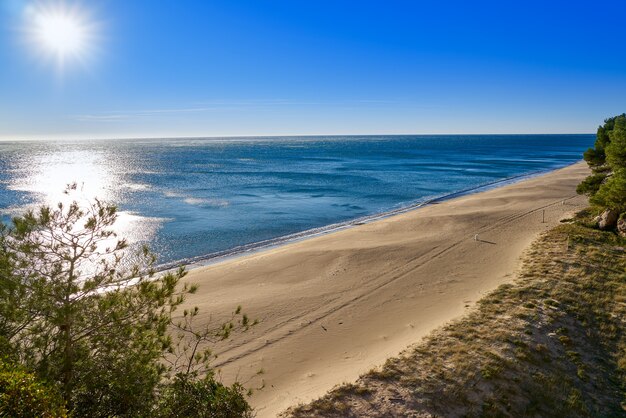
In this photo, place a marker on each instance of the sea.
(194, 200)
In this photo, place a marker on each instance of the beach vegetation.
(590, 185)
(551, 343)
(606, 186)
(596, 156)
(612, 194)
(83, 312)
(202, 397)
(23, 395)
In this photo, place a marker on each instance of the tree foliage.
(202, 398)
(78, 315)
(616, 149)
(596, 156)
(607, 184)
(612, 194)
(22, 395)
(591, 184)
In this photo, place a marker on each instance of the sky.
(172, 68)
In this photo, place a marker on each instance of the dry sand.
(334, 306)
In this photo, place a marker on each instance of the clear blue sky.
(254, 67)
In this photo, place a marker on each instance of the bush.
(594, 157)
(607, 185)
(616, 149)
(22, 395)
(612, 194)
(591, 184)
(189, 397)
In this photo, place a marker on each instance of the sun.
(62, 34)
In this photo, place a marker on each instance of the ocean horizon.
(191, 199)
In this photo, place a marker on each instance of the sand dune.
(334, 306)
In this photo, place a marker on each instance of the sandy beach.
(334, 306)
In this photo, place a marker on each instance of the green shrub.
(607, 185)
(189, 397)
(612, 194)
(591, 184)
(594, 157)
(616, 149)
(22, 395)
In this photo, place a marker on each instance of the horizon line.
(125, 138)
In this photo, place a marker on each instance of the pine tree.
(75, 314)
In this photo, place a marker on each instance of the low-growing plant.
(23, 395)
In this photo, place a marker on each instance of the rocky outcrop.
(608, 219)
(621, 226)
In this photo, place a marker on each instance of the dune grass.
(552, 343)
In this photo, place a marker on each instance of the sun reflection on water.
(44, 176)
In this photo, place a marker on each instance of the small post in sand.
(476, 237)
(543, 216)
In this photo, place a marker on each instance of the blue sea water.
(190, 198)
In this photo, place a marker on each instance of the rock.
(621, 226)
(608, 219)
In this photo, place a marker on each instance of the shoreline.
(255, 247)
(334, 306)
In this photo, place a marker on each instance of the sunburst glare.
(61, 32)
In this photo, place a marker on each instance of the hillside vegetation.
(551, 343)
(606, 186)
(84, 334)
